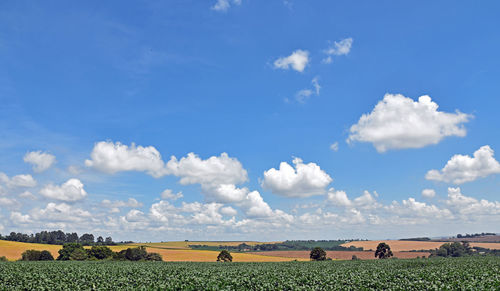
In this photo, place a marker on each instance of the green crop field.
(468, 273)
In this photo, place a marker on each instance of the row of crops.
(468, 273)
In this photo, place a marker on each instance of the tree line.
(58, 237)
(289, 245)
(76, 252)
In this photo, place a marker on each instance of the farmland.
(468, 273)
(172, 251)
(342, 255)
(401, 246)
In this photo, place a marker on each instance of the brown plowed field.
(340, 255)
(399, 245)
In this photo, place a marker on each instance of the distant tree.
(224, 256)
(317, 254)
(454, 249)
(154, 257)
(31, 255)
(383, 251)
(100, 240)
(108, 241)
(46, 256)
(79, 255)
(3, 259)
(72, 237)
(354, 258)
(87, 239)
(67, 250)
(100, 252)
(136, 254)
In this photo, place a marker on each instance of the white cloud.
(170, 195)
(70, 191)
(112, 157)
(40, 161)
(18, 181)
(334, 146)
(228, 193)
(115, 206)
(27, 195)
(462, 168)
(338, 198)
(298, 60)
(398, 122)
(411, 207)
(210, 172)
(4, 201)
(224, 5)
(340, 48)
(428, 193)
(302, 181)
(303, 95)
(469, 206)
(19, 218)
(61, 213)
(228, 210)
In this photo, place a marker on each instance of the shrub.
(46, 256)
(317, 254)
(100, 252)
(67, 250)
(79, 255)
(224, 256)
(136, 254)
(154, 257)
(31, 255)
(3, 259)
(355, 258)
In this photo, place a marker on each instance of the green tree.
(67, 250)
(79, 255)
(136, 254)
(154, 257)
(224, 256)
(383, 251)
(46, 256)
(31, 255)
(317, 254)
(100, 252)
(3, 259)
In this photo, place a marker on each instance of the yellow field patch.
(182, 255)
(12, 250)
(399, 245)
(186, 244)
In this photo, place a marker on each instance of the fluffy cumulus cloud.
(41, 161)
(462, 168)
(112, 157)
(471, 207)
(18, 181)
(115, 205)
(224, 5)
(70, 191)
(398, 122)
(212, 171)
(428, 193)
(170, 195)
(339, 48)
(300, 180)
(298, 61)
(19, 218)
(61, 213)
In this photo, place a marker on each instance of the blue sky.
(96, 98)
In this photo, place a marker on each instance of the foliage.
(289, 245)
(79, 255)
(465, 273)
(57, 237)
(154, 257)
(3, 259)
(67, 250)
(100, 252)
(317, 254)
(34, 255)
(354, 257)
(475, 235)
(224, 256)
(383, 251)
(454, 249)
